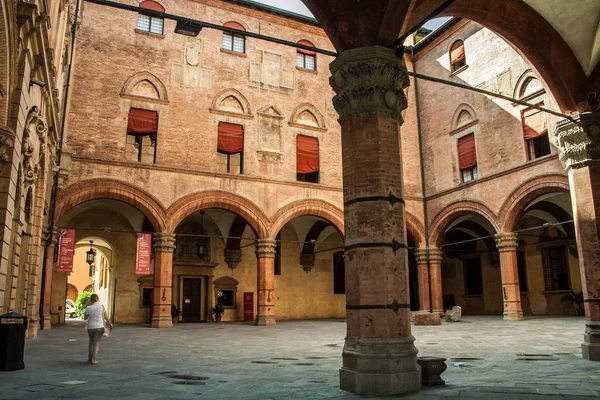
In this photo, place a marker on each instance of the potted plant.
(175, 312)
(577, 299)
(218, 311)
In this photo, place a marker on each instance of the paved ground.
(299, 360)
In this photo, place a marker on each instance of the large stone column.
(580, 151)
(379, 356)
(423, 277)
(164, 245)
(507, 244)
(437, 294)
(265, 254)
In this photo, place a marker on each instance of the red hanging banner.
(66, 250)
(142, 261)
(248, 307)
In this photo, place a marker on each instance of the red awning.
(234, 25)
(467, 157)
(457, 52)
(534, 123)
(307, 154)
(152, 5)
(304, 51)
(231, 138)
(142, 122)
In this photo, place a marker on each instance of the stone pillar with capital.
(423, 278)
(265, 254)
(579, 142)
(164, 245)
(435, 267)
(507, 244)
(379, 356)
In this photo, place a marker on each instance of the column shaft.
(164, 245)
(423, 277)
(437, 295)
(507, 244)
(48, 286)
(379, 356)
(265, 254)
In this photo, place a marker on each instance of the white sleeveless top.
(95, 316)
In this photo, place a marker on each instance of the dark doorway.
(413, 282)
(192, 288)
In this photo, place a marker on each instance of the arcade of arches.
(309, 185)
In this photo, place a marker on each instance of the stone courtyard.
(539, 358)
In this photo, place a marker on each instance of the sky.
(297, 7)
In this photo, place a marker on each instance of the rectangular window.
(473, 277)
(150, 24)
(146, 296)
(306, 61)
(538, 147)
(225, 298)
(339, 273)
(233, 42)
(230, 148)
(556, 271)
(278, 254)
(535, 132)
(142, 129)
(467, 157)
(307, 159)
(522, 272)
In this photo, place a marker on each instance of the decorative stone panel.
(270, 74)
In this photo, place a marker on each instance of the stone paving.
(539, 358)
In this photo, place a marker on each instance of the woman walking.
(95, 315)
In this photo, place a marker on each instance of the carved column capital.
(307, 260)
(579, 141)
(233, 257)
(507, 241)
(266, 248)
(421, 255)
(163, 242)
(435, 255)
(367, 81)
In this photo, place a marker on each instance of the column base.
(590, 348)
(161, 321)
(380, 367)
(513, 315)
(265, 320)
(33, 326)
(47, 322)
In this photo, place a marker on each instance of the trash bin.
(12, 341)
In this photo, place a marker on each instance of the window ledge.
(233, 53)
(156, 35)
(458, 71)
(540, 158)
(312, 71)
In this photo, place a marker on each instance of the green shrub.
(82, 302)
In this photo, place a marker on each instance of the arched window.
(234, 41)
(151, 24)
(457, 56)
(306, 59)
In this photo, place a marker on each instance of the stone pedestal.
(580, 151)
(507, 244)
(164, 245)
(265, 253)
(428, 319)
(431, 369)
(379, 356)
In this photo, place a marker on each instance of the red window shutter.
(457, 52)
(304, 51)
(467, 158)
(152, 5)
(307, 154)
(231, 138)
(142, 122)
(234, 25)
(534, 123)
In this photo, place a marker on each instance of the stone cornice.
(369, 81)
(579, 140)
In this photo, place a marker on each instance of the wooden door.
(192, 289)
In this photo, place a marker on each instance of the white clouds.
(289, 5)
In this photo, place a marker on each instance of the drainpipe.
(59, 154)
(426, 221)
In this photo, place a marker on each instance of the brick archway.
(317, 208)
(222, 200)
(444, 218)
(95, 189)
(512, 209)
(416, 229)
